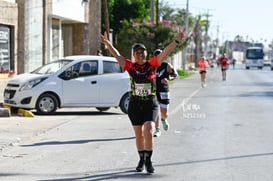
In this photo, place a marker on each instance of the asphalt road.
(221, 132)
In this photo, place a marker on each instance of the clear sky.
(251, 19)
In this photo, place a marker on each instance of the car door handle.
(93, 82)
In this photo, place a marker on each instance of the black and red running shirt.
(142, 76)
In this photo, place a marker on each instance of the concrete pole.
(217, 42)
(94, 26)
(187, 17)
(184, 51)
(152, 11)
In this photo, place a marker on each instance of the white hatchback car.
(75, 81)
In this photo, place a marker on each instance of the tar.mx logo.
(192, 111)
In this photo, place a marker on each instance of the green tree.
(147, 33)
(165, 11)
(175, 14)
(130, 21)
(200, 31)
(125, 10)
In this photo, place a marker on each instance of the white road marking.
(184, 102)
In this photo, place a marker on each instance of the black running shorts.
(140, 111)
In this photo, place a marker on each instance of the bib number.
(143, 89)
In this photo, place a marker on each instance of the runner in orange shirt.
(203, 68)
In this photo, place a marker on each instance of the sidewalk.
(15, 129)
(3, 83)
(3, 111)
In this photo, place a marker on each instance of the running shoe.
(203, 84)
(149, 166)
(140, 165)
(165, 124)
(157, 132)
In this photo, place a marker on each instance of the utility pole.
(106, 17)
(95, 26)
(106, 20)
(184, 51)
(217, 42)
(187, 17)
(157, 12)
(207, 15)
(152, 11)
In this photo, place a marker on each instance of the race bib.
(165, 95)
(143, 89)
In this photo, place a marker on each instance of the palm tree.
(200, 30)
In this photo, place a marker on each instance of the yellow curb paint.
(25, 113)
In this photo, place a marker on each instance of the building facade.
(8, 37)
(35, 32)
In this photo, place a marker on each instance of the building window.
(5, 59)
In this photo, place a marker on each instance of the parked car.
(75, 81)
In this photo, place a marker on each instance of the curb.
(25, 113)
(4, 111)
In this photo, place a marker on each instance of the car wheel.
(46, 104)
(124, 103)
(102, 109)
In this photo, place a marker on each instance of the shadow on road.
(130, 173)
(219, 159)
(126, 175)
(80, 113)
(257, 94)
(78, 141)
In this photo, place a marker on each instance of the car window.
(111, 67)
(87, 68)
(51, 67)
(80, 69)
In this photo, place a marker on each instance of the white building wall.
(69, 9)
(64, 11)
(176, 60)
(33, 34)
(11, 1)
